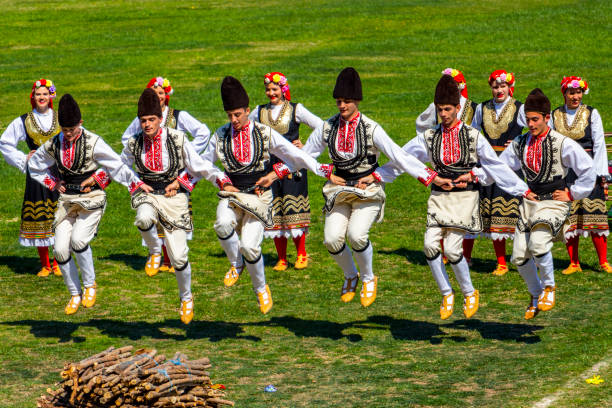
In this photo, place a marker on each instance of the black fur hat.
(537, 102)
(148, 104)
(348, 85)
(68, 112)
(447, 92)
(233, 94)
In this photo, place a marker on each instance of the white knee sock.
(70, 273)
(546, 269)
(258, 275)
(152, 240)
(183, 279)
(364, 260)
(344, 259)
(85, 261)
(231, 246)
(439, 273)
(529, 272)
(462, 273)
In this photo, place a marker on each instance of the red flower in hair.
(279, 79)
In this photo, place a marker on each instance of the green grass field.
(314, 349)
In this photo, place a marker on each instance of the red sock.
(55, 265)
(442, 247)
(468, 245)
(500, 250)
(572, 249)
(43, 254)
(300, 244)
(281, 248)
(601, 246)
(166, 258)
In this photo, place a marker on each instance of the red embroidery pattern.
(102, 178)
(326, 169)
(134, 186)
(223, 180)
(534, 152)
(67, 153)
(281, 170)
(241, 144)
(346, 135)
(451, 150)
(430, 176)
(153, 152)
(49, 182)
(186, 180)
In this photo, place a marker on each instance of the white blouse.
(302, 115)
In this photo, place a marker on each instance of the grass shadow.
(412, 330)
(136, 262)
(484, 266)
(411, 255)
(21, 265)
(519, 332)
(313, 328)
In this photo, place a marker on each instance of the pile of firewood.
(119, 378)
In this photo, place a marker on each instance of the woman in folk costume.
(161, 157)
(500, 120)
(457, 152)
(545, 158)
(582, 123)
(354, 194)
(77, 153)
(173, 119)
(291, 206)
(34, 128)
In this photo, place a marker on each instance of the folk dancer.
(583, 124)
(291, 206)
(174, 119)
(78, 155)
(39, 203)
(500, 120)
(545, 157)
(354, 195)
(159, 155)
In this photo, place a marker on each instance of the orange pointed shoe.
(44, 272)
(73, 305)
(448, 302)
(501, 270)
(265, 300)
(186, 312)
(232, 276)
(532, 309)
(167, 268)
(368, 292)
(56, 269)
(348, 289)
(546, 301)
(302, 262)
(606, 267)
(153, 264)
(89, 297)
(281, 265)
(572, 268)
(470, 304)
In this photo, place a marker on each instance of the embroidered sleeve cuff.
(134, 186)
(281, 170)
(221, 181)
(50, 182)
(326, 170)
(526, 193)
(474, 177)
(430, 176)
(102, 178)
(187, 181)
(376, 176)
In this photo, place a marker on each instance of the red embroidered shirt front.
(346, 134)
(533, 155)
(153, 152)
(68, 151)
(241, 144)
(451, 149)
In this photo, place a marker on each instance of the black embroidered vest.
(83, 166)
(285, 124)
(468, 140)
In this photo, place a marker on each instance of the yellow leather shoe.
(265, 300)
(444, 259)
(167, 268)
(232, 276)
(44, 272)
(606, 267)
(56, 270)
(186, 312)
(89, 297)
(302, 262)
(501, 270)
(572, 268)
(348, 289)
(368, 292)
(448, 302)
(281, 265)
(532, 309)
(153, 264)
(470, 304)
(73, 305)
(546, 301)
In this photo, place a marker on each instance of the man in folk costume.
(39, 203)
(582, 123)
(354, 194)
(500, 120)
(174, 119)
(244, 148)
(77, 153)
(161, 156)
(545, 157)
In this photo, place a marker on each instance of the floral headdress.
(47, 84)
(459, 79)
(281, 80)
(500, 76)
(574, 82)
(163, 83)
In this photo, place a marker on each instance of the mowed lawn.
(316, 350)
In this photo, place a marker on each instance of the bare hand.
(146, 188)
(267, 180)
(30, 154)
(603, 182)
(464, 178)
(172, 188)
(444, 183)
(562, 195)
(532, 196)
(60, 187)
(365, 181)
(508, 143)
(298, 143)
(230, 188)
(337, 180)
(87, 184)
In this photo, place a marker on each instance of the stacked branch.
(117, 377)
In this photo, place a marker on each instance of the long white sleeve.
(199, 166)
(106, 157)
(511, 158)
(574, 157)
(416, 147)
(600, 155)
(303, 115)
(477, 119)
(11, 137)
(427, 119)
(292, 156)
(315, 145)
(492, 167)
(131, 131)
(39, 165)
(197, 129)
